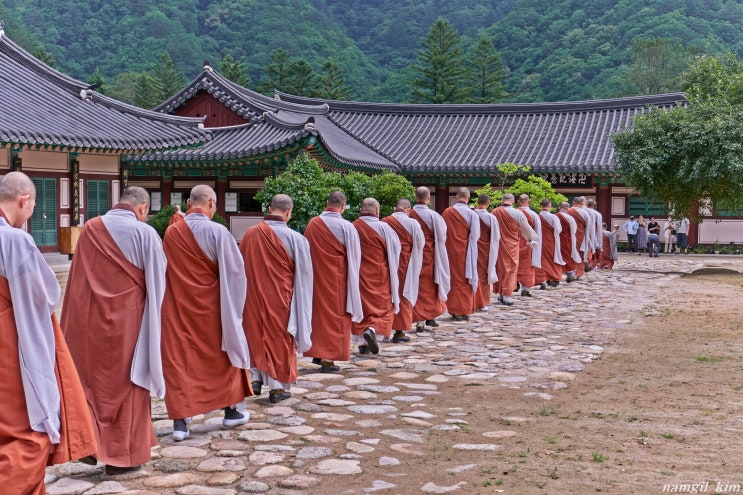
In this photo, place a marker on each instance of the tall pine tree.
(146, 92)
(301, 80)
(276, 74)
(168, 78)
(234, 71)
(441, 72)
(486, 73)
(331, 82)
(98, 81)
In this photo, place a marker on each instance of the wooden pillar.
(16, 162)
(603, 197)
(221, 190)
(442, 197)
(75, 189)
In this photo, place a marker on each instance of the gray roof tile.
(39, 105)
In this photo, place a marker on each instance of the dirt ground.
(658, 413)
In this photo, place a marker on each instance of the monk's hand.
(533, 244)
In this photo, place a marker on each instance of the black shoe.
(317, 361)
(553, 283)
(277, 396)
(256, 386)
(506, 302)
(371, 340)
(525, 293)
(460, 317)
(363, 349)
(420, 328)
(542, 286)
(329, 368)
(115, 470)
(233, 417)
(400, 337)
(432, 323)
(90, 460)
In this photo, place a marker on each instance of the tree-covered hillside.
(552, 49)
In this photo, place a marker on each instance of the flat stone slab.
(476, 446)
(263, 458)
(389, 461)
(204, 490)
(461, 469)
(379, 485)
(171, 480)
(373, 409)
(107, 488)
(359, 448)
(416, 436)
(361, 380)
(314, 452)
(273, 471)
(332, 416)
(299, 482)
(69, 486)
(337, 466)
(262, 435)
(183, 452)
(433, 488)
(500, 434)
(419, 415)
(418, 386)
(253, 487)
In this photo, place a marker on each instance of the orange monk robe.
(568, 248)
(336, 300)
(580, 239)
(487, 255)
(435, 281)
(552, 262)
(378, 282)
(175, 217)
(25, 450)
(412, 240)
(104, 305)
(199, 375)
(513, 225)
(529, 258)
(609, 249)
(462, 235)
(267, 317)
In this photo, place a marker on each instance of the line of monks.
(204, 323)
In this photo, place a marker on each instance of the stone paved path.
(379, 411)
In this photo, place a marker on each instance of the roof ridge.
(365, 143)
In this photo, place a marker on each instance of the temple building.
(81, 148)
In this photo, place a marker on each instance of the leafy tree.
(169, 79)
(124, 86)
(98, 81)
(486, 73)
(388, 188)
(508, 169)
(301, 81)
(496, 195)
(331, 82)
(234, 71)
(45, 57)
(537, 189)
(440, 68)
(657, 65)
(688, 156)
(146, 92)
(277, 73)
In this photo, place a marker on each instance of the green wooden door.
(97, 198)
(44, 219)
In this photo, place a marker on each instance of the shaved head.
(135, 196)
(483, 199)
(201, 194)
(422, 194)
(508, 199)
(463, 194)
(369, 205)
(14, 185)
(403, 204)
(336, 199)
(282, 203)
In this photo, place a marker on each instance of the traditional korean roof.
(40, 106)
(271, 124)
(471, 139)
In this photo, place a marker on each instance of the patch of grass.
(549, 440)
(597, 415)
(667, 436)
(707, 360)
(499, 482)
(596, 457)
(553, 473)
(668, 473)
(548, 411)
(643, 433)
(524, 453)
(487, 483)
(631, 418)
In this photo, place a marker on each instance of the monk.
(514, 231)
(530, 258)
(111, 315)
(598, 219)
(462, 235)
(336, 304)
(568, 242)
(609, 251)
(278, 313)
(177, 215)
(583, 234)
(43, 404)
(550, 273)
(435, 281)
(205, 352)
(378, 282)
(411, 238)
(487, 254)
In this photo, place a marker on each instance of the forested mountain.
(552, 49)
